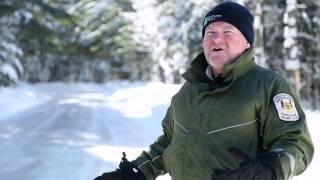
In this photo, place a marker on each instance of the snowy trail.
(72, 136)
(49, 142)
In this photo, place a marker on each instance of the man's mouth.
(217, 49)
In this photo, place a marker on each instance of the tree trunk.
(258, 26)
(291, 49)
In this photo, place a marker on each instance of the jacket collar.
(196, 73)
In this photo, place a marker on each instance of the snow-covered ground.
(77, 131)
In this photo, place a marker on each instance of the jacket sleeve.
(284, 128)
(151, 162)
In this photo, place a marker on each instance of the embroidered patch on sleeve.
(286, 108)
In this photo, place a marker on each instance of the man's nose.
(217, 37)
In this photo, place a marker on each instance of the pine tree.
(40, 37)
(105, 31)
(10, 53)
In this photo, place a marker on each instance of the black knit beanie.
(233, 13)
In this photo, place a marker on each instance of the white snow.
(143, 106)
(17, 99)
(8, 70)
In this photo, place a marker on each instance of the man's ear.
(248, 45)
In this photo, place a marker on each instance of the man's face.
(223, 43)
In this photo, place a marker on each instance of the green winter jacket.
(248, 107)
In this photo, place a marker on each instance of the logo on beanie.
(211, 18)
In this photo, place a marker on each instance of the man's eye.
(228, 32)
(211, 32)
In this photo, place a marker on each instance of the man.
(232, 119)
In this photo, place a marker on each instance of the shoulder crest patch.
(286, 108)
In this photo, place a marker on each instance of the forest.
(149, 40)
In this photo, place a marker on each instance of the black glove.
(126, 171)
(266, 167)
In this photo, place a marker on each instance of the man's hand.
(114, 175)
(267, 167)
(126, 171)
